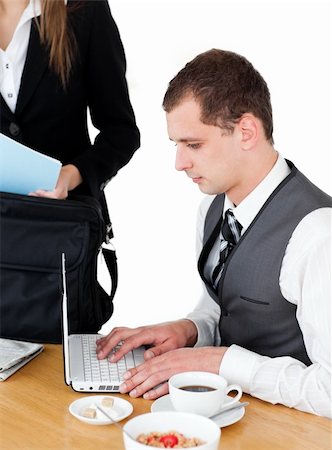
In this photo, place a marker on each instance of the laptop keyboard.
(103, 370)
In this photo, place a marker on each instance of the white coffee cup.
(201, 393)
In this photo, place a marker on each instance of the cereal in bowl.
(171, 439)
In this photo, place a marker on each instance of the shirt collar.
(32, 10)
(246, 211)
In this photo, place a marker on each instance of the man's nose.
(182, 160)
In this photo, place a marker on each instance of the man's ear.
(249, 129)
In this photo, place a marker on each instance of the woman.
(60, 59)
(57, 60)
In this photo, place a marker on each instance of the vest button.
(14, 129)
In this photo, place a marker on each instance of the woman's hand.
(69, 179)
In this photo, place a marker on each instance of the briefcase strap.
(112, 266)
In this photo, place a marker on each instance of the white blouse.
(12, 59)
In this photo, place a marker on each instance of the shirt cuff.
(202, 338)
(239, 365)
(205, 333)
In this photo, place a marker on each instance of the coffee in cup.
(201, 393)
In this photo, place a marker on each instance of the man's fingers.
(131, 339)
(142, 382)
(164, 347)
(158, 391)
(106, 344)
(149, 354)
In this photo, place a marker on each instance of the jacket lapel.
(4, 109)
(35, 65)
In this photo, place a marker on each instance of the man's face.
(209, 156)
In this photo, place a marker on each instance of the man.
(264, 250)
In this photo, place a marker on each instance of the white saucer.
(119, 411)
(223, 419)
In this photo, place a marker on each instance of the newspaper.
(15, 354)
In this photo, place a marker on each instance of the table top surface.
(34, 415)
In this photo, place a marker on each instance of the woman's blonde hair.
(55, 32)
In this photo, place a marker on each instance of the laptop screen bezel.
(65, 336)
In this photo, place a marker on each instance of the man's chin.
(208, 190)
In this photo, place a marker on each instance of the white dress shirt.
(305, 281)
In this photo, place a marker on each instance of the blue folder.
(23, 170)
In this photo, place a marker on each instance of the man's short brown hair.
(226, 85)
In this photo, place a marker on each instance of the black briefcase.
(34, 232)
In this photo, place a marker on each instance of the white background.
(153, 207)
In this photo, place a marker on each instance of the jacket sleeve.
(108, 100)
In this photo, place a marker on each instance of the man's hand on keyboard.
(150, 378)
(160, 338)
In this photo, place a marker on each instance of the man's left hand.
(150, 378)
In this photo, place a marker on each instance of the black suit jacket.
(53, 120)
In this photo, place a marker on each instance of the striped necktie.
(230, 233)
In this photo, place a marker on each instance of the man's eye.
(193, 146)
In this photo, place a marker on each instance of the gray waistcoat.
(254, 314)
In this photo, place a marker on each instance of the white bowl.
(191, 425)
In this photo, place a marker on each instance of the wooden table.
(34, 415)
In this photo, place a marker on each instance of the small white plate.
(119, 411)
(223, 419)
